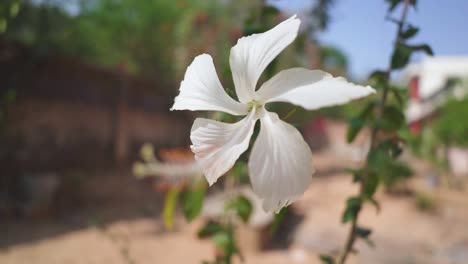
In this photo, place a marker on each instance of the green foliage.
(378, 79)
(358, 122)
(448, 125)
(399, 94)
(170, 205)
(353, 206)
(8, 10)
(388, 125)
(192, 200)
(392, 4)
(333, 60)
(242, 206)
(390, 171)
(362, 232)
(277, 220)
(209, 229)
(392, 118)
(403, 52)
(226, 243)
(327, 259)
(145, 37)
(425, 201)
(409, 32)
(223, 238)
(370, 185)
(320, 15)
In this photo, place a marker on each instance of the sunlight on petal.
(202, 90)
(311, 89)
(218, 145)
(252, 54)
(280, 164)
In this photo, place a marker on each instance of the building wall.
(70, 134)
(71, 113)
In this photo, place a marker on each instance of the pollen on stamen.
(253, 104)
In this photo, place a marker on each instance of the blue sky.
(359, 29)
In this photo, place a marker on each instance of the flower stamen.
(254, 105)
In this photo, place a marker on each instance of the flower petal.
(310, 89)
(218, 145)
(202, 90)
(280, 164)
(252, 54)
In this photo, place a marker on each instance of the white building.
(432, 82)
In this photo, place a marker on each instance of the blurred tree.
(447, 125)
(320, 15)
(333, 60)
(142, 35)
(156, 39)
(8, 10)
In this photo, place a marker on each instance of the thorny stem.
(348, 248)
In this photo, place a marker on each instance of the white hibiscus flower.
(280, 163)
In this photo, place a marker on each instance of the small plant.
(387, 124)
(447, 126)
(425, 201)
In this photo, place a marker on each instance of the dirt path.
(402, 233)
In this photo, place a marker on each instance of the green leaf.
(354, 201)
(225, 241)
(423, 47)
(353, 205)
(400, 56)
(392, 118)
(355, 126)
(222, 240)
(170, 204)
(14, 9)
(389, 170)
(362, 232)
(277, 220)
(357, 174)
(378, 79)
(242, 206)
(327, 259)
(209, 229)
(270, 11)
(370, 186)
(290, 113)
(397, 93)
(409, 32)
(250, 29)
(375, 204)
(393, 4)
(357, 123)
(370, 243)
(395, 171)
(192, 201)
(390, 147)
(3, 25)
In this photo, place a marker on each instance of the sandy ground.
(133, 231)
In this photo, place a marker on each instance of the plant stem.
(348, 248)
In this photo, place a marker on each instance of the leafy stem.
(365, 175)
